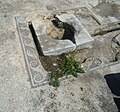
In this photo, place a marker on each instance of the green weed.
(69, 66)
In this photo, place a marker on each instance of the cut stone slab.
(39, 27)
(55, 47)
(49, 45)
(82, 37)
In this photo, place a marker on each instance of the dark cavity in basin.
(69, 29)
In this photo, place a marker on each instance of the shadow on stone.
(36, 41)
(117, 102)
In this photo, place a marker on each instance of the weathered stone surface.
(82, 37)
(118, 39)
(115, 67)
(91, 63)
(115, 44)
(105, 12)
(46, 27)
(87, 93)
(55, 47)
(39, 27)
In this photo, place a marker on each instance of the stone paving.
(87, 93)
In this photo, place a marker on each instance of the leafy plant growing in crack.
(71, 66)
(68, 66)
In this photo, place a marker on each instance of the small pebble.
(54, 64)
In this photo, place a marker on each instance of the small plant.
(54, 79)
(69, 66)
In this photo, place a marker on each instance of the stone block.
(55, 47)
(52, 46)
(82, 37)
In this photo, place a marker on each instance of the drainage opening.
(36, 41)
